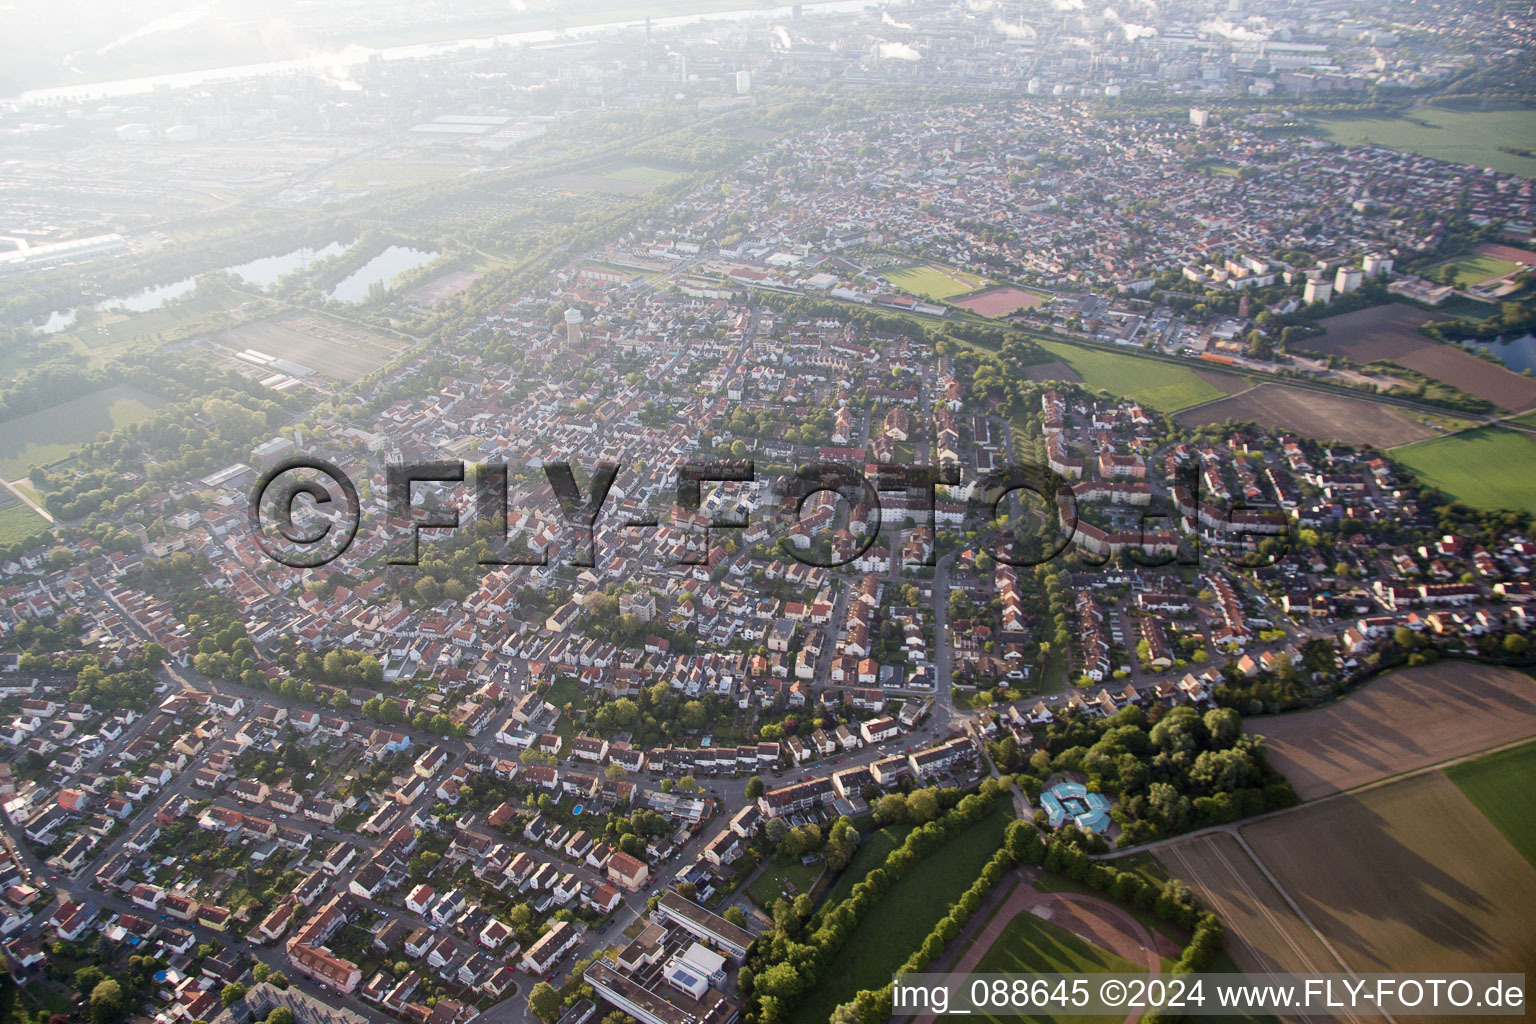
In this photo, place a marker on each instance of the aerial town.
(558, 528)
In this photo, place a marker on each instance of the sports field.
(48, 435)
(1489, 467)
(934, 282)
(1503, 787)
(998, 302)
(1400, 721)
(1322, 417)
(905, 915)
(1163, 386)
(1030, 945)
(1473, 269)
(1461, 136)
(1406, 877)
(641, 174)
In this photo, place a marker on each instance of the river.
(336, 61)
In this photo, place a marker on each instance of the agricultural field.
(897, 925)
(1489, 467)
(933, 282)
(1263, 933)
(1406, 877)
(1322, 417)
(1461, 136)
(1390, 332)
(1165, 387)
(17, 521)
(1400, 721)
(999, 302)
(48, 435)
(329, 347)
(1503, 787)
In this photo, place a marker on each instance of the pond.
(1519, 354)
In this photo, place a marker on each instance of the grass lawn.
(1474, 269)
(1030, 945)
(1163, 386)
(935, 283)
(17, 522)
(897, 925)
(1463, 136)
(787, 880)
(565, 691)
(874, 847)
(1490, 467)
(49, 435)
(1503, 786)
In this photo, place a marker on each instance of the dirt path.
(1088, 917)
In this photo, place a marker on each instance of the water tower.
(573, 326)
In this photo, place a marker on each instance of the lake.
(382, 269)
(263, 273)
(267, 271)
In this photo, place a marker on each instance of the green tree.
(544, 1001)
(107, 1006)
(232, 994)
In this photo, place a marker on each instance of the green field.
(897, 925)
(1165, 387)
(874, 847)
(933, 282)
(104, 335)
(642, 174)
(17, 522)
(1490, 467)
(49, 435)
(1503, 787)
(1030, 946)
(1462, 136)
(1473, 269)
